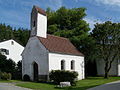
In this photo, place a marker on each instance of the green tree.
(107, 36)
(18, 71)
(20, 35)
(2, 62)
(69, 23)
(6, 65)
(5, 32)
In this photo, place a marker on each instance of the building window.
(4, 51)
(72, 65)
(33, 23)
(62, 65)
(12, 43)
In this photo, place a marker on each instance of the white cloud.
(106, 2)
(54, 4)
(92, 21)
(109, 2)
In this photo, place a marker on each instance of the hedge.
(58, 76)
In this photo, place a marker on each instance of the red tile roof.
(41, 11)
(59, 45)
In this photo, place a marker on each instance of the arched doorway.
(35, 71)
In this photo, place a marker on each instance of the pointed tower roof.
(39, 10)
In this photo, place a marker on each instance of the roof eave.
(66, 53)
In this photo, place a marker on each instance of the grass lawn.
(10, 81)
(81, 85)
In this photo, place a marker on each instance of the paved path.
(109, 86)
(8, 86)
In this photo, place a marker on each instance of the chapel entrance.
(35, 71)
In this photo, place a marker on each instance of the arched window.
(72, 65)
(33, 23)
(12, 43)
(62, 65)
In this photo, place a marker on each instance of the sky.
(17, 12)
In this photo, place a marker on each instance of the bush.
(6, 76)
(58, 76)
(26, 77)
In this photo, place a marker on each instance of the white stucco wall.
(40, 28)
(55, 63)
(15, 50)
(41, 25)
(101, 65)
(118, 67)
(34, 15)
(34, 52)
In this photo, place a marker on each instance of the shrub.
(26, 77)
(58, 76)
(6, 76)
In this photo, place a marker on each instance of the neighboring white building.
(11, 49)
(45, 52)
(114, 71)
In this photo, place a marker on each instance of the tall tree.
(69, 23)
(107, 36)
(20, 35)
(6, 65)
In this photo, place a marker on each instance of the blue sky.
(17, 12)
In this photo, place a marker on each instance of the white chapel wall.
(35, 52)
(55, 63)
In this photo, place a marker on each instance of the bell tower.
(38, 22)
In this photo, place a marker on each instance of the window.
(4, 51)
(72, 65)
(62, 65)
(33, 23)
(12, 43)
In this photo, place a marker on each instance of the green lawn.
(10, 81)
(81, 85)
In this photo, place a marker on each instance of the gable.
(9, 43)
(59, 45)
(34, 46)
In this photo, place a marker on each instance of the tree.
(107, 36)
(2, 62)
(6, 65)
(69, 23)
(20, 35)
(18, 71)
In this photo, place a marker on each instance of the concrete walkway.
(9, 86)
(109, 86)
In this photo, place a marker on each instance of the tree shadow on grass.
(76, 88)
(95, 78)
(71, 87)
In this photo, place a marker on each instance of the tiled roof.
(41, 11)
(59, 45)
